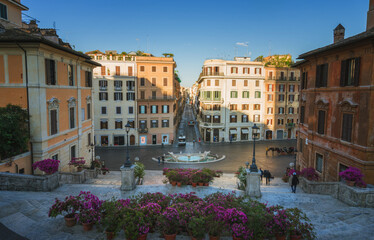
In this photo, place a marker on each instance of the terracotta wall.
(15, 69)
(2, 72)
(22, 162)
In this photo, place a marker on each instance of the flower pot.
(350, 183)
(173, 184)
(70, 221)
(179, 184)
(201, 184)
(170, 237)
(104, 173)
(194, 184)
(79, 169)
(280, 236)
(214, 237)
(142, 237)
(110, 235)
(295, 237)
(87, 226)
(206, 184)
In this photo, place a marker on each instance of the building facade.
(230, 99)
(282, 86)
(114, 98)
(157, 100)
(42, 74)
(337, 105)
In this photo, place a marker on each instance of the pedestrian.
(230, 138)
(193, 141)
(294, 182)
(159, 160)
(199, 139)
(163, 159)
(262, 173)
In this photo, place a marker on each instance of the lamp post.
(127, 161)
(92, 157)
(255, 133)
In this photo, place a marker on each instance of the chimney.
(370, 19)
(339, 33)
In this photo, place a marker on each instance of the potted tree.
(78, 162)
(134, 224)
(111, 217)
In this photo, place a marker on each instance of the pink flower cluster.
(77, 162)
(352, 174)
(49, 166)
(310, 174)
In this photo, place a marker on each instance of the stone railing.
(353, 196)
(21, 182)
(77, 177)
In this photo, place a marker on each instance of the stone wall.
(20, 182)
(77, 177)
(353, 196)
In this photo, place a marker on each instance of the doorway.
(207, 135)
(132, 140)
(154, 139)
(269, 135)
(216, 135)
(279, 134)
(289, 133)
(104, 140)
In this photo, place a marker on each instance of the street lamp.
(127, 161)
(92, 157)
(255, 135)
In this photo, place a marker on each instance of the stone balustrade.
(22, 182)
(353, 196)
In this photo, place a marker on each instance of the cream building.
(230, 99)
(114, 98)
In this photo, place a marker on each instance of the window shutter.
(156, 108)
(343, 73)
(168, 108)
(357, 71)
(102, 70)
(232, 69)
(325, 74)
(318, 76)
(260, 70)
(47, 68)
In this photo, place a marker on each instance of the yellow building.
(53, 82)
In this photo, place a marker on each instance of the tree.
(259, 59)
(14, 135)
(168, 55)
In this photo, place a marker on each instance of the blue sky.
(198, 30)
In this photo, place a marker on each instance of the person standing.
(159, 160)
(294, 182)
(163, 159)
(262, 174)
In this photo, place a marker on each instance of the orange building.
(42, 74)
(157, 98)
(337, 105)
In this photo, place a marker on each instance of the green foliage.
(279, 61)
(195, 227)
(111, 216)
(124, 53)
(258, 217)
(168, 55)
(139, 170)
(241, 174)
(259, 58)
(14, 136)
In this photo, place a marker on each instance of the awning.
(233, 131)
(245, 130)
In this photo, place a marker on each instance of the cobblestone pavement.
(26, 213)
(236, 155)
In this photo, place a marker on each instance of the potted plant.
(195, 178)
(168, 223)
(111, 217)
(69, 207)
(78, 162)
(299, 228)
(139, 172)
(310, 174)
(240, 232)
(219, 173)
(151, 212)
(279, 224)
(172, 176)
(88, 217)
(195, 228)
(49, 166)
(351, 175)
(134, 223)
(104, 170)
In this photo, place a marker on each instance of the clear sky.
(196, 30)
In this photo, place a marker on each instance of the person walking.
(159, 160)
(294, 182)
(262, 174)
(163, 159)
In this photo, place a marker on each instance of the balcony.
(117, 88)
(290, 125)
(142, 130)
(211, 125)
(158, 98)
(212, 74)
(103, 88)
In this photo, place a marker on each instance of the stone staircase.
(26, 213)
